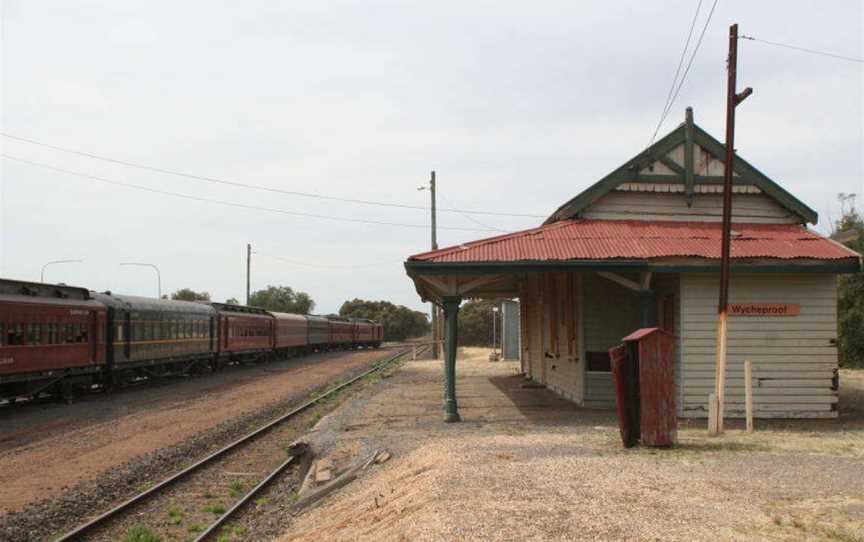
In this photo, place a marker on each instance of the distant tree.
(187, 294)
(282, 299)
(399, 322)
(850, 300)
(475, 323)
(232, 301)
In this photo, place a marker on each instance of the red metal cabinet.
(644, 372)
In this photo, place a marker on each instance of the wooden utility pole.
(715, 426)
(436, 335)
(248, 269)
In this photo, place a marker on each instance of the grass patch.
(215, 509)
(207, 495)
(144, 486)
(195, 528)
(235, 488)
(261, 501)
(175, 516)
(141, 533)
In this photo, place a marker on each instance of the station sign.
(763, 309)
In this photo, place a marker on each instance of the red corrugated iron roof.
(641, 240)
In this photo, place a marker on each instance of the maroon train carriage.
(341, 332)
(292, 332)
(244, 332)
(367, 333)
(51, 337)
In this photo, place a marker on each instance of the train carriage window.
(2, 333)
(15, 335)
(81, 335)
(68, 334)
(34, 334)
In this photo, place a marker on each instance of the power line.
(687, 69)
(223, 202)
(677, 70)
(469, 217)
(327, 266)
(215, 180)
(804, 49)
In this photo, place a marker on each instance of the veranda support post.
(451, 314)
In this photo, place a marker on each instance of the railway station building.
(641, 248)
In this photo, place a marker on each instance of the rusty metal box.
(644, 372)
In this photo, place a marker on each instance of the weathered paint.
(658, 420)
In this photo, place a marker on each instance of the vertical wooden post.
(451, 314)
(732, 101)
(748, 393)
(414, 353)
(712, 414)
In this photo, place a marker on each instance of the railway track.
(103, 521)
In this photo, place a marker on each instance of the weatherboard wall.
(794, 357)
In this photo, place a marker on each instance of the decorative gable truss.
(680, 177)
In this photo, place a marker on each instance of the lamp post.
(42, 274)
(158, 275)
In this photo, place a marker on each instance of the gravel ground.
(525, 465)
(96, 456)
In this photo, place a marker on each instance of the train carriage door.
(224, 331)
(127, 335)
(211, 330)
(93, 335)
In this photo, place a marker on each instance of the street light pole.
(42, 274)
(158, 274)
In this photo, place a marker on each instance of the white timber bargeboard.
(793, 357)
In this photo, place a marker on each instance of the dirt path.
(49, 448)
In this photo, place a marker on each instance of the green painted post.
(648, 308)
(451, 313)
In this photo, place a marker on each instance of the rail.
(84, 528)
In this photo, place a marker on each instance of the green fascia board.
(762, 181)
(850, 265)
(629, 172)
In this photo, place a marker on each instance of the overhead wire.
(327, 266)
(686, 70)
(677, 70)
(224, 202)
(804, 49)
(215, 180)
(469, 217)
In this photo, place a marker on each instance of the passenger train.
(56, 338)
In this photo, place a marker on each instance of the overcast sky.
(518, 106)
